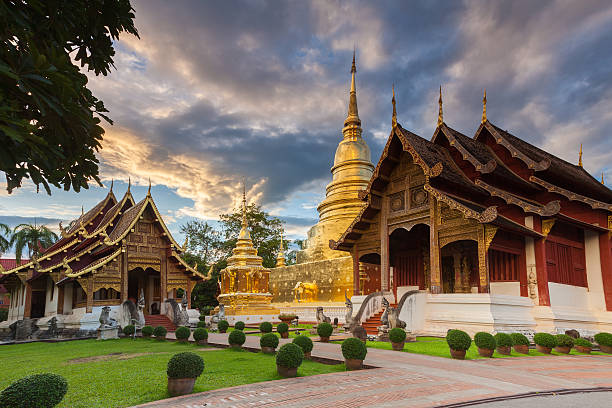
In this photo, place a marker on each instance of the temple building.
(484, 233)
(119, 250)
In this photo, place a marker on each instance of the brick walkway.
(406, 379)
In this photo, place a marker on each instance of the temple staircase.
(160, 320)
(371, 325)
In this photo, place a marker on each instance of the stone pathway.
(405, 379)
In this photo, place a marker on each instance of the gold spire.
(112, 182)
(244, 219)
(602, 178)
(82, 211)
(149, 190)
(129, 184)
(352, 123)
(280, 258)
(440, 116)
(580, 156)
(394, 116)
(484, 107)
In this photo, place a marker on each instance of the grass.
(116, 382)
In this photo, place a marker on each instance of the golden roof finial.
(394, 115)
(352, 123)
(354, 67)
(112, 183)
(580, 156)
(440, 115)
(244, 217)
(149, 190)
(129, 184)
(602, 178)
(484, 107)
(82, 211)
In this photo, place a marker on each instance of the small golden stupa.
(244, 283)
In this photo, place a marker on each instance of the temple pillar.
(163, 277)
(483, 262)
(60, 300)
(384, 247)
(605, 255)
(90, 295)
(539, 247)
(124, 274)
(189, 287)
(27, 308)
(356, 275)
(457, 269)
(434, 247)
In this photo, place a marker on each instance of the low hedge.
(397, 335)
(269, 340)
(458, 340)
(583, 342)
(325, 329)
(185, 365)
(304, 342)
(37, 391)
(265, 327)
(160, 332)
(563, 340)
(147, 331)
(129, 330)
(290, 356)
(484, 340)
(282, 328)
(202, 324)
(545, 340)
(354, 349)
(239, 325)
(236, 337)
(503, 340)
(519, 339)
(223, 325)
(604, 339)
(200, 334)
(182, 333)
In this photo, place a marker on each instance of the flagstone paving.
(405, 379)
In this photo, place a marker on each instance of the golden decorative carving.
(482, 258)
(484, 107)
(440, 113)
(63, 232)
(488, 215)
(305, 292)
(538, 166)
(547, 226)
(595, 204)
(490, 232)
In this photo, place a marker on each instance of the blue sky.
(215, 92)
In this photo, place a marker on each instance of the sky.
(214, 93)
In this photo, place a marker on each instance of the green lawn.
(115, 381)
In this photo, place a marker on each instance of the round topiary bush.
(354, 349)
(200, 334)
(458, 340)
(223, 325)
(239, 325)
(269, 340)
(160, 332)
(185, 365)
(290, 356)
(604, 339)
(484, 340)
(129, 330)
(182, 333)
(544, 340)
(519, 339)
(147, 331)
(503, 340)
(39, 390)
(282, 328)
(236, 338)
(265, 327)
(563, 340)
(397, 335)
(583, 342)
(304, 342)
(325, 329)
(202, 324)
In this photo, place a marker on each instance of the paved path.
(405, 379)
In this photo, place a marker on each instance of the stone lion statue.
(105, 319)
(321, 318)
(305, 291)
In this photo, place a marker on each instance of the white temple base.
(109, 333)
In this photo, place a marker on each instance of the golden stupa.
(244, 282)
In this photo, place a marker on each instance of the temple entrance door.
(147, 281)
(38, 304)
(459, 267)
(369, 273)
(409, 256)
(448, 275)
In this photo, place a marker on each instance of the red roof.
(8, 263)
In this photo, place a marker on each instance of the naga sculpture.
(321, 318)
(305, 291)
(348, 318)
(384, 320)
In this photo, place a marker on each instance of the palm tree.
(5, 233)
(35, 237)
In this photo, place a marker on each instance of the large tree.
(34, 238)
(49, 119)
(5, 236)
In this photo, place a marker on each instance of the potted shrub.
(160, 333)
(239, 325)
(605, 341)
(236, 339)
(201, 324)
(485, 343)
(182, 334)
(183, 370)
(583, 345)
(38, 390)
(458, 342)
(544, 342)
(283, 330)
(305, 343)
(287, 317)
(324, 330)
(147, 331)
(354, 352)
(520, 343)
(398, 338)
(268, 343)
(288, 359)
(503, 343)
(223, 325)
(564, 343)
(200, 335)
(129, 330)
(265, 327)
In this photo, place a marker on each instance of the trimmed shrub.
(129, 330)
(239, 325)
(563, 340)
(397, 335)
(519, 339)
(182, 333)
(265, 327)
(583, 342)
(604, 339)
(325, 329)
(147, 331)
(544, 340)
(282, 328)
(503, 340)
(458, 340)
(236, 337)
(354, 349)
(201, 324)
(39, 391)
(160, 332)
(223, 325)
(269, 340)
(304, 342)
(185, 365)
(3, 315)
(290, 356)
(484, 340)
(200, 334)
